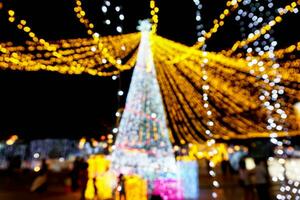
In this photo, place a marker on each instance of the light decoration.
(154, 16)
(81, 143)
(168, 189)
(117, 62)
(99, 177)
(142, 145)
(231, 5)
(266, 28)
(199, 25)
(209, 124)
(12, 140)
(232, 84)
(181, 83)
(189, 176)
(270, 98)
(287, 170)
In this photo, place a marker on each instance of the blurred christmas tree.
(143, 146)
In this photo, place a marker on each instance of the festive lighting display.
(247, 91)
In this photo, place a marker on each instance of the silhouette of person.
(121, 187)
(83, 178)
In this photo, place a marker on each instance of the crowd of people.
(78, 176)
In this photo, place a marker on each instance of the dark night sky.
(45, 104)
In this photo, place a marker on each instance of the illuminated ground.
(18, 188)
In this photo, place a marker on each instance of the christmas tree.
(142, 146)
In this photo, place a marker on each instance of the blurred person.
(40, 183)
(245, 181)
(83, 178)
(75, 174)
(224, 165)
(121, 187)
(260, 179)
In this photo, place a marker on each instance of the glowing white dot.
(210, 123)
(104, 60)
(119, 61)
(119, 29)
(153, 115)
(93, 49)
(115, 130)
(121, 17)
(214, 195)
(118, 8)
(104, 9)
(120, 93)
(36, 155)
(216, 183)
(107, 3)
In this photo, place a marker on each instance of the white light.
(261, 97)
(280, 152)
(119, 29)
(216, 183)
(61, 159)
(205, 87)
(283, 116)
(36, 155)
(93, 49)
(114, 77)
(96, 35)
(120, 93)
(104, 9)
(118, 8)
(209, 113)
(107, 3)
(107, 22)
(212, 173)
(121, 17)
(210, 123)
(118, 114)
(201, 39)
(153, 115)
(119, 61)
(274, 43)
(115, 130)
(274, 141)
(104, 60)
(214, 195)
